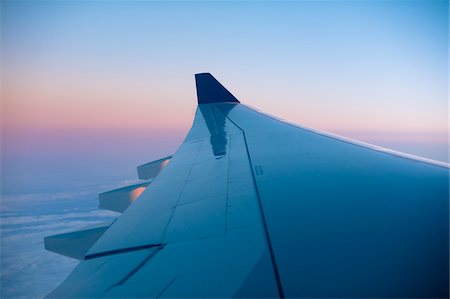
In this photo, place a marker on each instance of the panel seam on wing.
(265, 227)
(121, 250)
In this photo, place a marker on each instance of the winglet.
(209, 90)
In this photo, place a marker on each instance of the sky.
(91, 89)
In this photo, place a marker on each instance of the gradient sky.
(98, 87)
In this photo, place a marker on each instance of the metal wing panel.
(155, 205)
(201, 215)
(92, 278)
(345, 220)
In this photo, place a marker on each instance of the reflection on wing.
(250, 206)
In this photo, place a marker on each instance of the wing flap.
(75, 244)
(151, 169)
(119, 200)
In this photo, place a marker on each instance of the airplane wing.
(250, 206)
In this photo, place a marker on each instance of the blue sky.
(367, 65)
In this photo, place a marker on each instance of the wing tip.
(209, 90)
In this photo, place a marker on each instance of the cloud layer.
(28, 271)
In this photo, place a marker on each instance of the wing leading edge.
(250, 206)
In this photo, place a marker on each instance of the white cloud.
(55, 217)
(27, 270)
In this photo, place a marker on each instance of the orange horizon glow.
(93, 106)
